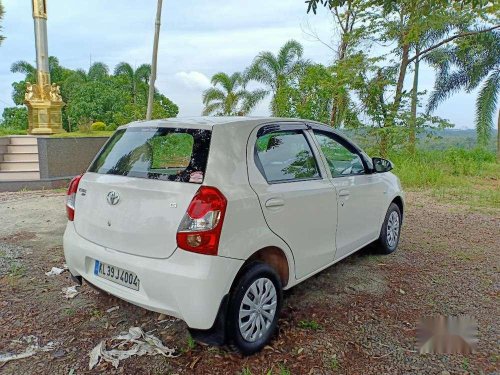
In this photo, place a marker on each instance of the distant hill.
(431, 140)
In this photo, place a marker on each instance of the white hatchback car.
(209, 219)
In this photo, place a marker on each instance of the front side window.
(341, 161)
(171, 154)
(286, 156)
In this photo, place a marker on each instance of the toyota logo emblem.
(113, 198)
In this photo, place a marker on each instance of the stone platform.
(42, 162)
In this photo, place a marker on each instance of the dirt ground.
(358, 317)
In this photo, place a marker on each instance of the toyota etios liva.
(209, 219)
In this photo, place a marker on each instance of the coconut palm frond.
(445, 86)
(23, 67)
(486, 104)
(98, 71)
(213, 108)
(212, 94)
(224, 80)
(124, 68)
(250, 99)
(143, 73)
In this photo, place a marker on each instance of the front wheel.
(254, 308)
(391, 229)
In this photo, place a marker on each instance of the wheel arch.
(398, 201)
(273, 256)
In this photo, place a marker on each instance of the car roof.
(208, 122)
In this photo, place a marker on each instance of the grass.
(11, 131)
(310, 324)
(17, 270)
(191, 343)
(83, 134)
(470, 177)
(334, 363)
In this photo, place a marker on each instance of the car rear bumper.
(187, 286)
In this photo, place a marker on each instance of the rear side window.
(171, 154)
(285, 156)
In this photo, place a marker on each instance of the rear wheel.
(254, 308)
(391, 229)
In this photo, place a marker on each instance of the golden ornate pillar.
(42, 98)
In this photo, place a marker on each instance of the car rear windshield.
(170, 154)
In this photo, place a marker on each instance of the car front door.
(296, 196)
(360, 193)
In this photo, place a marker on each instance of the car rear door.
(360, 194)
(296, 197)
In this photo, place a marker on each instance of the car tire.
(254, 308)
(388, 240)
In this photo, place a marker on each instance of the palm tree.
(134, 77)
(1, 17)
(277, 72)
(478, 65)
(98, 71)
(232, 98)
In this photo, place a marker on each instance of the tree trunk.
(383, 144)
(134, 91)
(498, 137)
(414, 101)
(401, 79)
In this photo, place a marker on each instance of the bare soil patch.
(357, 317)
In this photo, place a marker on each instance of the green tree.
(467, 65)
(162, 108)
(2, 12)
(98, 71)
(15, 118)
(278, 73)
(232, 98)
(134, 78)
(95, 100)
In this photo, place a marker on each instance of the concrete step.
(19, 176)
(4, 141)
(15, 149)
(23, 140)
(19, 166)
(21, 156)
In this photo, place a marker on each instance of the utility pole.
(154, 62)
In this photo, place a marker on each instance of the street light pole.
(154, 62)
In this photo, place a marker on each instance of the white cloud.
(193, 80)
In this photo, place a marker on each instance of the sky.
(198, 39)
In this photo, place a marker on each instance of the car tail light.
(201, 226)
(71, 197)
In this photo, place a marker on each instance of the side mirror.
(382, 165)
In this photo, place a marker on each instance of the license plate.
(116, 275)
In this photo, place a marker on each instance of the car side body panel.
(245, 231)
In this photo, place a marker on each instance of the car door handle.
(344, 193)
(275, 202)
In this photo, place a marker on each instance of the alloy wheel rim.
(258, 309)
(393, 229)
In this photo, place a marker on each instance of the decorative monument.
(42, 98)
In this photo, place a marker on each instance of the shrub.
(111, 127)
(84, 125)
(98, 126)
